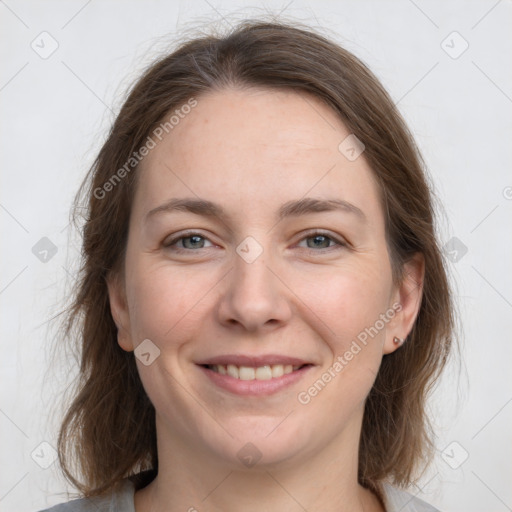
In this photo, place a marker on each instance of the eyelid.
(173, 239)
(339, 241)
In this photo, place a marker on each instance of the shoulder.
(118, 500)
(121, 500)
(397, 500)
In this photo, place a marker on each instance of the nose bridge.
(254, 296)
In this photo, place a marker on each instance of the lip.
(255, 387)
(253, 361)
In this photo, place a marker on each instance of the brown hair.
(109, 430)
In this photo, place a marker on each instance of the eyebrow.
(293, 208)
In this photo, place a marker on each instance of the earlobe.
(124, 340)
(408, 295)
(119, 311)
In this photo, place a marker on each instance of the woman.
(263, 305)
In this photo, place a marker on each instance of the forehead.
(253, 146)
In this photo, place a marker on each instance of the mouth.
(254, 375)
(265, 372)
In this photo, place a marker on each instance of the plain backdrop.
(64, 69)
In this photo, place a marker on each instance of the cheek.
(350, 304)
(165, 300)
(347, 299)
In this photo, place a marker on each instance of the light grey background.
(55, 111)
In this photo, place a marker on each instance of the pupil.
(319, 240)
(194, 240)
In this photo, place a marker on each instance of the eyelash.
(339, 243)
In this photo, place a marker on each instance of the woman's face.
(239, 255)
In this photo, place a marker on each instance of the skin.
(251, 151)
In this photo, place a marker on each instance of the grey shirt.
(121, 500)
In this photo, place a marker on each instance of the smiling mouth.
(266, 372)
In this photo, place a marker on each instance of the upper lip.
(253, 361)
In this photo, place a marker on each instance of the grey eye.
(318, 241)
(193, 242)
(188, 242)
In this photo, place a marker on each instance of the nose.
(255, 297)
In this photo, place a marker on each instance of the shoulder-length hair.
(109, 430)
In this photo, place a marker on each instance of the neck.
(189, 480)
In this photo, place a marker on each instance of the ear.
(120, 311)
(407, 301)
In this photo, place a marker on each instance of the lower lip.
(255, 387)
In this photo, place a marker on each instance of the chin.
(263, 443)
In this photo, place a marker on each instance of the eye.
(321, 240)
(189, 241)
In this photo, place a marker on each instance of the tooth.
(246, 373)
(277, 370)
(232, 371)
(263, 373)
